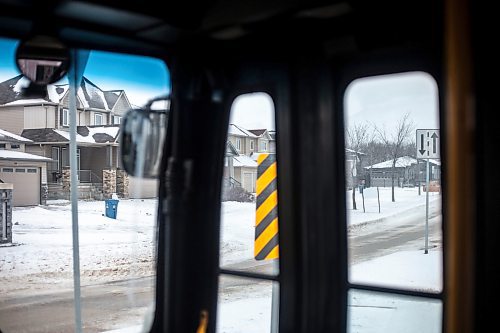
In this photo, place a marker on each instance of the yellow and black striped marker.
(266, 217)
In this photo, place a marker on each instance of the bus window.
(116, 212)
(249, 221)
(393, 196)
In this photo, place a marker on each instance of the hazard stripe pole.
(266, 216)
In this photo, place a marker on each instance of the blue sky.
(142, 78)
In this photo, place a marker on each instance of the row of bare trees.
(374, 144)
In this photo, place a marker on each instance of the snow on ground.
(406, 198)
(110, 250)
(237, 232)
(405, 269)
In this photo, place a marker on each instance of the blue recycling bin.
(111, 208)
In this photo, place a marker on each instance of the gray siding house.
(407, 172)
(45, 122)
(243, 148)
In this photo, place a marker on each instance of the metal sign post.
(427, 147)
(427, 209)
(275, 305)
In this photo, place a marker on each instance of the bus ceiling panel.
(106, 16)
(186, 14)
(93, 40)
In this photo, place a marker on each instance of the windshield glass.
(94, 267)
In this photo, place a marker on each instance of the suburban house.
(45, 122)
(243, 147)
(26, 172)
(408, 172)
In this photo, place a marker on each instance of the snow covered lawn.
(110, 249)
(406, 199)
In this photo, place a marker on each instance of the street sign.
(428, 143)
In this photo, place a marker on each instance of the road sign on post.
(428, 143)
(427, 148)
(266, 217)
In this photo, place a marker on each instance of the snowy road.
(388, 237)
(104, 306)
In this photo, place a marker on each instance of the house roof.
(258, 132)
(244, 161)
(43, 135)
(85, 134)
(11, 137)
(89, 94)
(239, 131)
(111, 97)
(401, 162)
(18, 155)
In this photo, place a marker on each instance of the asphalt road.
(124, 303)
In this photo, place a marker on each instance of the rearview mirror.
(43, 59)
(142, 138)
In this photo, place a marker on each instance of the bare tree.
(396, 141)
(357, 137)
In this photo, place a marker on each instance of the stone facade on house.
(108, 183)
(122, 183)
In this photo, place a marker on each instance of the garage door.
(26, 182)
(248, 182)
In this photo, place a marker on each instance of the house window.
(238, 144)
(3, 146)
(117, 120)
(65, 117)
(21, 170)
(8, 170)
(31, 170)
(14, 146)
(98, 119)
(55, 158)
(65, 157)
(251, 145)
(263, 146)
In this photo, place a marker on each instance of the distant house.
(45, 122)
(266, 143)
(243, 147)
(408, 171)
(27, 172)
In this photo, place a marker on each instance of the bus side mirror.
(142, 139)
